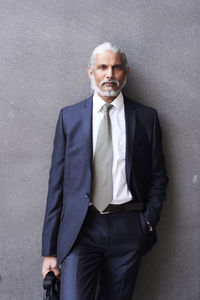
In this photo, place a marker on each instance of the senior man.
(106, 186)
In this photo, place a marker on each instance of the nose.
(109, 73)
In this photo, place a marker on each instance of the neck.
(108, 99)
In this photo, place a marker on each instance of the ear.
(90, 72)
(127, 71)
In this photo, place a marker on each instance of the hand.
(50, 264)
(149, 227)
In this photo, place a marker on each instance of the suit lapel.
(87, 127)
(130, 120)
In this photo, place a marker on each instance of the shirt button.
(87, 195)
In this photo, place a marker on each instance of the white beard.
(109, 93)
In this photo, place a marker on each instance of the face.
(109, 73)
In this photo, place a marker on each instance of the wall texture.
(45, 46)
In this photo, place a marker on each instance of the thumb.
(56, 271)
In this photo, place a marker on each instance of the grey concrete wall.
(44, 50)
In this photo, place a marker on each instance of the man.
(106, 186)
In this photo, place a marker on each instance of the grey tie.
(102, 187)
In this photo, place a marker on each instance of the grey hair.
(107, 46)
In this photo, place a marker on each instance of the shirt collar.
(98, 102)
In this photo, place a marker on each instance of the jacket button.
(87, 195)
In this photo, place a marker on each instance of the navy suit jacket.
(71, 173)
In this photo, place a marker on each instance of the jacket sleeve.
(55, 192)
(158, 178)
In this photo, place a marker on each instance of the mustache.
(109, 81)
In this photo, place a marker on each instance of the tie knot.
(106, 107)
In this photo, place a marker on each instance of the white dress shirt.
(121, 193)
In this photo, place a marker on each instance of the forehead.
(108, 58)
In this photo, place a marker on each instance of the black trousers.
(108, 249)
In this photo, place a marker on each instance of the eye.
(102, 67)
(118, 67)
